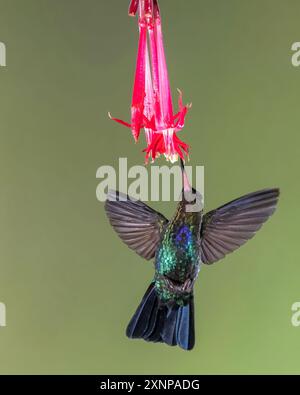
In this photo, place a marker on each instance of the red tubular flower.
(152, 107)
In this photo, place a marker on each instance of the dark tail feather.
(158, 323)
(169, 331)
(185, 326)
(145, 314)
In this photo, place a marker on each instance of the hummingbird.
(179, 247)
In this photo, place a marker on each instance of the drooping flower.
(152, 107)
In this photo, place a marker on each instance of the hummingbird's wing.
(230, 226)
(138, 225)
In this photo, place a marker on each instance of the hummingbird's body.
(177, 260)
(179, 247)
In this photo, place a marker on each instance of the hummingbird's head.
(192, 199)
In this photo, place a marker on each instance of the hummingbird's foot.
(180, 288)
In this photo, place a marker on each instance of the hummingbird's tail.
(155, 322)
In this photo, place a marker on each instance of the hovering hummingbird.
(179, 247)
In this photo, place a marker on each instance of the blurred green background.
(70, 286)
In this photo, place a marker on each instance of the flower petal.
(137, 108)
(164, 85)
(133, 7)
(119, 121)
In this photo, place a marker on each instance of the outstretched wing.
(138, 225)
(230, 226)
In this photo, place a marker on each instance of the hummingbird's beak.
(185, 181)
